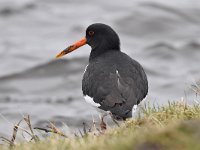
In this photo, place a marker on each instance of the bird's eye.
(91, 33)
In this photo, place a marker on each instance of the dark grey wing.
(124, 92)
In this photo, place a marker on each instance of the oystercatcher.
(112, 80)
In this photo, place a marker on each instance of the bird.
(112, 81)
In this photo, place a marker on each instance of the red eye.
(91, 33)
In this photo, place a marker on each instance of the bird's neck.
(96, 52)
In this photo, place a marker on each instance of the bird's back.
(116, 82)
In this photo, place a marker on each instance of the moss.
(185, 136)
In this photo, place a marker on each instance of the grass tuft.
(174, 126)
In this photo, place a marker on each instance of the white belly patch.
(91, 101)
(134, 109)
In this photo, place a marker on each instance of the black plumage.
(112, 78)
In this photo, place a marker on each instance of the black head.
(102, 37)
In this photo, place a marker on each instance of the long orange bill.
(72, 47)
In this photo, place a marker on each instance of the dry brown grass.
(174, 126)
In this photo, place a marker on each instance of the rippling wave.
(164, 36)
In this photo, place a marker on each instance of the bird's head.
(99, 36)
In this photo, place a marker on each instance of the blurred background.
(164, 36)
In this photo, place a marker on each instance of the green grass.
(174, 126)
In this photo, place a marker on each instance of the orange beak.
(72, 47)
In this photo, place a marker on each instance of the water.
(164, 36)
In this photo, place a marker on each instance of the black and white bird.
(112, 80)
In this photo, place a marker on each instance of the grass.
(174, 126)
